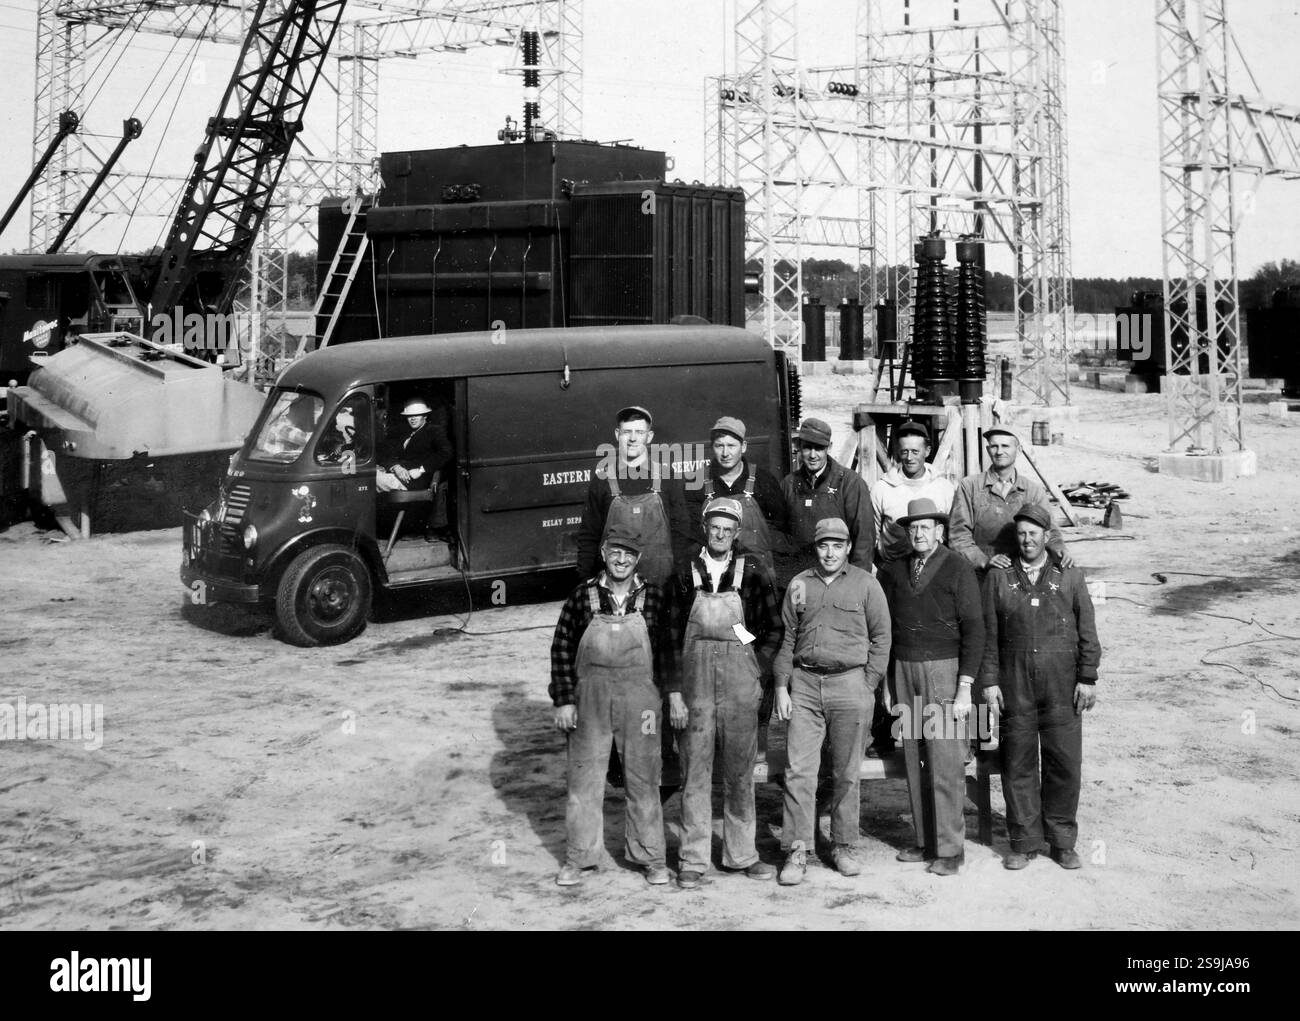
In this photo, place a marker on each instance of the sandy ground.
(411, 779)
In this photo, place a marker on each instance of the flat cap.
(634, 411)
(1000, 430)
(729, 425)
(1035, 513)
(724, 506)
(831, 528)
(623, 537)
(814, 431)
(913, 428)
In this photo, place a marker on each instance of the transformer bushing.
(971, 323)
(934, 361)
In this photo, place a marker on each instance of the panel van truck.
(300, 527)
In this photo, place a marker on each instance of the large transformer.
(536, 234)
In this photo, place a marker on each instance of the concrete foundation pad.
(1208, 467)
(1278, 409)
(852, 367)
(815, 368)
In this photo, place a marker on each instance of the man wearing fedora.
(833, 655)
(821, 488)
(413, 459)
(1040, 667)
(938, 646)
(611, 664)
(733, 475)
(727, 624)
(983, 529)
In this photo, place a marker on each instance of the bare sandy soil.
(411, 778)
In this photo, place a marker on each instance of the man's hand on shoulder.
(1000, 560)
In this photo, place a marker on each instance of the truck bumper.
(208, 588)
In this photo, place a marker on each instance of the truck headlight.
(250, 537)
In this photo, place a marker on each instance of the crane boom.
(238, 164)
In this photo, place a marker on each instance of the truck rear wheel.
(324, 597)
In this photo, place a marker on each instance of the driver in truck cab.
(412, 459)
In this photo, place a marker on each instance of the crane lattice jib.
(240, 160)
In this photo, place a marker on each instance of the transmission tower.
(1209, 135)
(949, 118)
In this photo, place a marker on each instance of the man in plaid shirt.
(611, 662)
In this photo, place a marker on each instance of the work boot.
(845, 859)
(657, 875)
(1066, 858)
(1018, 860)
(796, 864)
(689, 879)
(947, 866)
(571, 875)
(760, 870)
(911, 854)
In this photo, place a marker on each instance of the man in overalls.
(731, 474)
(1040, 667)
(727, 623)
(609, 658)
(633, 490)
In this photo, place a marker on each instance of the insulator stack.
(971, 329)
(532, 82)
(933, 354)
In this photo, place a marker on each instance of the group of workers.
(953, 594)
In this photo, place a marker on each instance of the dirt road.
(410, 778)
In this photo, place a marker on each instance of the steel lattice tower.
(956, 126)
(1208, 135)
(70, 33)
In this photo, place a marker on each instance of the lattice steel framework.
(955, 126)
(70, 33)
(1208, 134)
(753, 134)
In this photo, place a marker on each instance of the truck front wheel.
(323, 597)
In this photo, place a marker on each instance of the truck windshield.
(287, 427)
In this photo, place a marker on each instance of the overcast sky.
(645, 65)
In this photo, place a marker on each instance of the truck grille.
(232, 522)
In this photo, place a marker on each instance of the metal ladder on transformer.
(346, 262)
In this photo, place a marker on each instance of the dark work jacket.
(1055, 641)
(942, 617)
(427, 448)
(839, 493)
